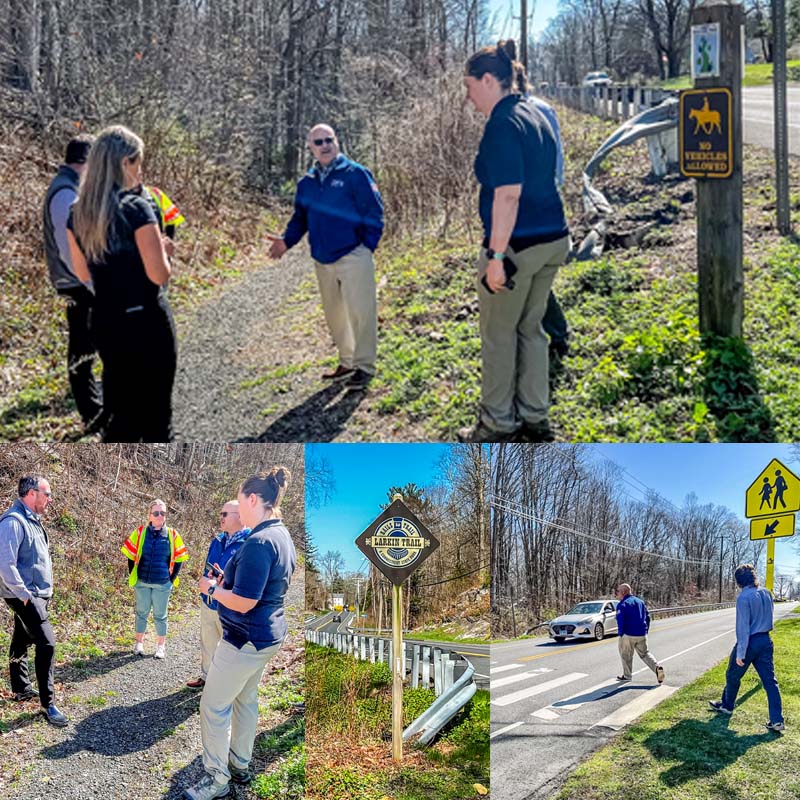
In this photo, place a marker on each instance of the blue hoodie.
(339, 207)
(633, 618)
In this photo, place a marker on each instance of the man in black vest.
(26, 584)
(61, 194)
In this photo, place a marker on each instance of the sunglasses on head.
(159, 513)
(326, 140)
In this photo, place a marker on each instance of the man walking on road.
(26, 584)
(633, 624)
(223, 548)
(338, 204)
(753, 646)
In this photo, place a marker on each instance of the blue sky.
(505, 15)
(363, 473)
(718, 473)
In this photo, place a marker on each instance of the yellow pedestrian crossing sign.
(775, 491)
(772, 527)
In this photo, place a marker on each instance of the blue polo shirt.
(340, 207)
(221, 550)
(260, 570)
(519, 147)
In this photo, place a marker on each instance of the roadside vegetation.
(348, 739)
(684, 751)
(754, 75)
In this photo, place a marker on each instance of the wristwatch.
(490, 254)
(211, 589)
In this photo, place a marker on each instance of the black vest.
(61, 275)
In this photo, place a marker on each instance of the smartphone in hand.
(510, 269)
(213, 570)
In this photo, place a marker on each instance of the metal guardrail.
(617, 102)
(426, 667)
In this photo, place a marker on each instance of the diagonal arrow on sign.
(770, 529)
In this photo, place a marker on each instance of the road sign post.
(717, 67)
(770, 502)
(397, 543)
(780, 118)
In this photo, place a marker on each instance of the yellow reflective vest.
(170, 213)
(133, 550)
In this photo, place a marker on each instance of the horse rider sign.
(705, 133)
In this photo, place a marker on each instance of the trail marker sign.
(397, 542)
(772, 527)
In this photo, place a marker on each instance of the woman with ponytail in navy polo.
(526, 240)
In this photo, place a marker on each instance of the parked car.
(590, 620)
(599, 78)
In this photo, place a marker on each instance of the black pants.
(554, 322)
(81, 354)
(32, 627)
(139, 352)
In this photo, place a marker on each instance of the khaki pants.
(627, 645)
(515, 368)
(210, 634)
(350, 304)
(229, 707)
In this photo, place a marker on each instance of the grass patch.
(446, 635)
(754, 75)
(682, 750)
(284, 749)
(349, 737)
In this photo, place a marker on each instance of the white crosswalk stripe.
(520, 676)
(539, 688)
(506, 668)
(630, 711)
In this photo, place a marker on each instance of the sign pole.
(719, 202)
(770, 564)
(397, 674)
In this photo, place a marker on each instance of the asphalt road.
(757, 116)
(477, 654)
(553, 704)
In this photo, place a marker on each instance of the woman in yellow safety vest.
(155, 553)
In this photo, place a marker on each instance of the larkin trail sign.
(397, 542)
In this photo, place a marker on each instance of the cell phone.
(510, 269)
(214, 571)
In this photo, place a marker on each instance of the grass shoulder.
(684, 750)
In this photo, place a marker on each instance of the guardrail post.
(415, 667)
(381, 650)
(437, 671)
(615, 94)
(426, 667)
(626, 102)
(449, 667)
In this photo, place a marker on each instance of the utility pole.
(719, 598)
(523, 33)
(780, 117)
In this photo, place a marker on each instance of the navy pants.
(554, 322)
(32, 627)
(760, 655)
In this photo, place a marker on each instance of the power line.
(505, 505)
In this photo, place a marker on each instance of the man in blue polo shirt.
(338, 204)
(753, 646)
(633, 624)
(222, 549)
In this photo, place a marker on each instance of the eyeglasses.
(159, 513)
(46, 494)
(224, 514)
(326, 140)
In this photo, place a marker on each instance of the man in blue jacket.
(338, 204)
(633, 624)
(222, 549)
(753, 646)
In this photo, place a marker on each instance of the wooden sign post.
(717, 65)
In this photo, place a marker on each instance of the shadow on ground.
(701, 749)
(732, 394)
(122, 730)
(81, 670)
(320, 418)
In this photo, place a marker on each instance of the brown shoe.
(338, 374)
(196, 683)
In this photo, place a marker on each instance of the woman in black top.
(115, 243)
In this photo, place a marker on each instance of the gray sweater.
(25, 567)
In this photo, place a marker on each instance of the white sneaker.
(160, 652)
(138, 649)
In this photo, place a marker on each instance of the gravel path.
(135, 727)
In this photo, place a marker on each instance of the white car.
(590, 620)
(597, 79)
